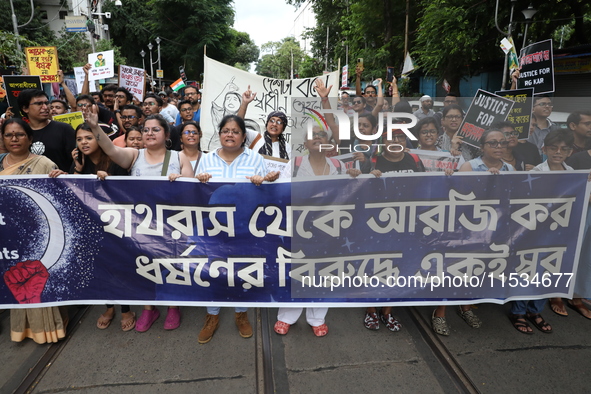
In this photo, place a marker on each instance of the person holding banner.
(232, 160)
(191, 140)
(427, 132)
(43, 325)
(451, 119)
(522, 155)
(153, 160)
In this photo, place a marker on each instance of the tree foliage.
(72, 49)
(277, 63)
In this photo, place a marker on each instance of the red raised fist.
(26, 281)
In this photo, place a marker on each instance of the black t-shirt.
(580, 161)
(90, 168)
(528, 153)
(175, 137)
(407, 164)
(56, 141)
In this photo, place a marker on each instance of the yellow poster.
(2, 91)
(73, 119)
(43, 61)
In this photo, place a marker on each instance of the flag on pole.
(446, 86)
(408, 64)
(177, 85)
(513, 60)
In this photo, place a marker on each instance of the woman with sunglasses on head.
(153, 160)
(191, 140)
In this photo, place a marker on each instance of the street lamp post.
(143, 53)
(528, 14)
(159, 64)
(150, 46)
(508, 34)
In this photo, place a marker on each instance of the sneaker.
(173, 319)
(146, 320)
(439, 325)
(470, 318)
(281, 328)
(243, 325)
(211, 324)
(371, 322)
(391, 322)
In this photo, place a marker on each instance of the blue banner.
(407, 239)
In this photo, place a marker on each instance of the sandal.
(173, 319)
(321, 330)
(104, 322)
(580, 309)
(541, 324)
(281, 328)
(520, 323)
(439, 325)
(147, 318)
(128, 324)
(391, 322)
(470, 318)
(557, 307)
(371, 321)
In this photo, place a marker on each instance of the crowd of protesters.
(161, 136)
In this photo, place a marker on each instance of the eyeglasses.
(509, 134)
(320, 134)
(40, 103)
(495, 143)
(13, 135)
(108, 95)
(149, 104)
(454, 117)
(190, 94)
(276, 121)
(121, 96)
(233, 132)
(153, 130)
(125, 117)
(190, 132)
(357, 102)
(186, 109)
(563, 149)
(425, 132)
(83, 105)
(545, 105)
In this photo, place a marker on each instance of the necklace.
(10, 165)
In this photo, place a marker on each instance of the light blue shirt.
(248, 163)
(478, 165)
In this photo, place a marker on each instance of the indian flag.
(178, 84)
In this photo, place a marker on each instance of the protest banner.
(73, 119)
(537, 67)
(275, 163)
(486, 108)
(102, 65)
(79, 75)
(345, 77)
(15, 84)
(348, 159)
(225, 85)
(133, 79)
(520, 114)
(43, 61)
(143, 241)
(437, 161)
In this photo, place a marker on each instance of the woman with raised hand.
(232, 160)
(153, 160)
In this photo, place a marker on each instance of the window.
(43, 14)
(63, 14)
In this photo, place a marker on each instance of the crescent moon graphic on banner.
(56, 241)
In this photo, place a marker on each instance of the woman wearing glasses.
(232, 160)
(273, 143)
(153, 160)
(191, 139)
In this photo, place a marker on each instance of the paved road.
(351, 359)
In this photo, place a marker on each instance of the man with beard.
(192, 94)
(542, 110)
(426, 108)
(131, 115)
(55, 140)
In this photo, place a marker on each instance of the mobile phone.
(79, 157)
(389, 74)
(360, 63)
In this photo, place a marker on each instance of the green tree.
(278, 63)
(107, 45)
(72, 49)
(9, 54)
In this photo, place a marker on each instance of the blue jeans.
(215, 310)
(531, 306)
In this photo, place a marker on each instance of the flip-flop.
(126, 325)
(579, 309)
(104, 322)
(518, 322)
(558, 307)
(539, 325)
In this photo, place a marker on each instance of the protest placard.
(437, 161)
(102, 65)
(348, 160)
(537, 67)
(520, 114)
(485, 109)
(43, 61)
(73, 119)
(275, 163)
(79, 77)
(2, 90)
(14, 84)
(133, 79)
